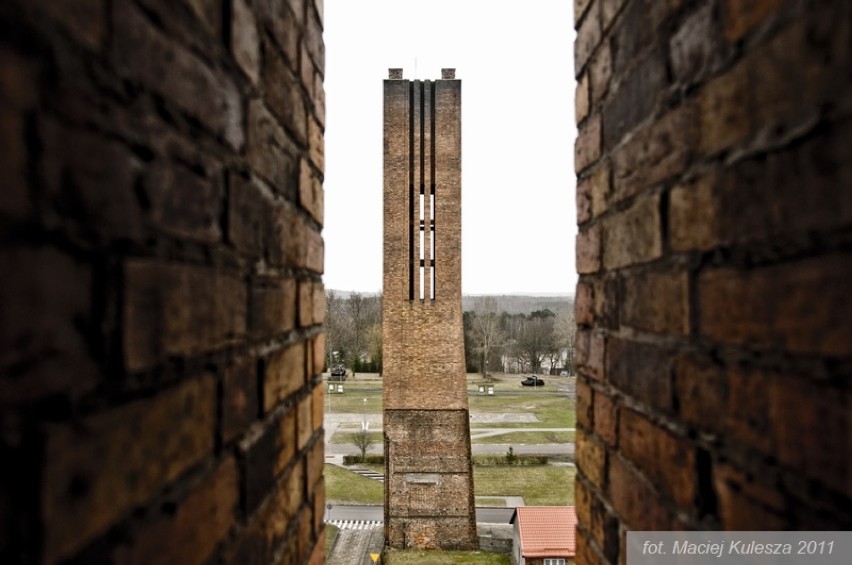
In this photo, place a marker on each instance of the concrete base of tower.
(429, 501)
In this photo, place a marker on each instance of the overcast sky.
(515, 61)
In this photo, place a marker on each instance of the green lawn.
(330, 536)
(346, 437)
(345, 486)
(413, 557)
(552, 411)
(545, 485)
(540, 485)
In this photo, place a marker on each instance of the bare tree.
(535, 339)
(335, 325)
(486, 332)
(364, 312)
(565, 330)
(363, 440)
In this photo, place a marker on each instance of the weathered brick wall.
(715, 204)
(160, 297)
(426, 418)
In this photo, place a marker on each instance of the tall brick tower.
(428, 472)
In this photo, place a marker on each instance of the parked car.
(532, 380)
(338, 373)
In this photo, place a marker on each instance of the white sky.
(515, 61)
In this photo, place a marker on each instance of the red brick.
(45, 294)
(581, 99)
(588, 38)
(284, 374)
(587, 147)
(191, 535)
(172, 309)
(315, 458)
(317, 404)
(273, 308)
(634, 499)
(245, 40)
(101, 467)
(586, 553)
(311, 303)
(583, 500)
(692, 215)
(657, 153)
(270, 151)
(591, 459)
(310, 192)
(591, 354)
(700, 387)
(669, 461)
(240, 402)
(286, 447)
(584, 404)
(297, 244)
(741, 16)
(774, 307)
(283, 96)
(600, 73)
(85, 20)
(304, 422)
(145, 54)
(318, 352)
(641, 370)
(584, 304)
(810, 424)
(744, 503)
(634, 235)
(606, 418)
(588, 249)
(657, 302)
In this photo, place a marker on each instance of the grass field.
(544, 485)
(522, 437)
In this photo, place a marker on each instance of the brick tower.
(428, 472)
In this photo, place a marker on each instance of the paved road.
(353, 547)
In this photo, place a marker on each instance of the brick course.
(713, 346)
(163, 208)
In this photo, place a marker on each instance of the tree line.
(494, 340)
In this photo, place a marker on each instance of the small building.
(544, 535)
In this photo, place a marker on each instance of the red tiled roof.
(546, 531)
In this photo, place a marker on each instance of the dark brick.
(85, 20)
(700, 387)
(635, 98)
(271, 153)
(641, 370)
(173, 309)
(273, 308)
(657, 302)
(245, 39)
(144, 53)
(637, 504)
(587, 147)
(103, 466)
(192, 533)
(694, 47)
(588, 38)
(240, 400)
(89, 181)
(249, 216)
(741, 16)
(283, 97)
(588, 250)
(634, 235)
(183, 203)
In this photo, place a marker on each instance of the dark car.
(532, 381)
(338, 373)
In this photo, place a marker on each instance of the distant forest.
(502, 333)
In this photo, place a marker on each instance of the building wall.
(713, 251)
(160, 296)
(429, 478)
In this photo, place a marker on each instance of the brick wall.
(715, 208)
(426, 418)
(160, 297)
